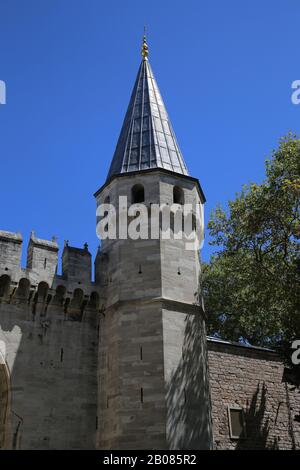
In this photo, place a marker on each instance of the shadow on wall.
(51, 353)
(189, 423)
(257, 426)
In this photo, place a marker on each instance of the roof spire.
(147, 139)
(145, 50)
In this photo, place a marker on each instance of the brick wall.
(252, 378)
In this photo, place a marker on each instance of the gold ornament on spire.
(145, 50)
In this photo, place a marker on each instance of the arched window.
(4, 285)
(59, 295)
(178, 196)
(23, 288)
(42, 290)
(77, 296)
(137, 194)
(94, 300)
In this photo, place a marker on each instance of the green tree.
(251, 285)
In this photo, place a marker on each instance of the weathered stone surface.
(153, 387)
(254, 380)
(48, 344)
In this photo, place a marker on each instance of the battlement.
(42, 298)
(76, 263)
(10, 250)
(42, 262)
(9, 236)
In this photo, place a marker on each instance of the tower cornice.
(153, 171)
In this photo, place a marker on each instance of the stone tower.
(153, 384)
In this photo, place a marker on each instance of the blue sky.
(224, 70)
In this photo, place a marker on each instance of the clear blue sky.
(224, 68)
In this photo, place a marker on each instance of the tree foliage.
(251, 285)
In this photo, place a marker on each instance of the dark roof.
(147, 139)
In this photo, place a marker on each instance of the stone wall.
(52, 369)
(132, 411)
(48, 345)
(153, 390)
(252, 379)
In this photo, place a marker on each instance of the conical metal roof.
(147, 139)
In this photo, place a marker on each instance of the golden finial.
(145, 50)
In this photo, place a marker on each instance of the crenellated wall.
(48, 343)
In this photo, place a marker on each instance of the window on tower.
(178, 196)
(137, 194)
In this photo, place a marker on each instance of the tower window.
(178, 196)
(237, 425)
(194, 222)
(45, 263)
(137, 194)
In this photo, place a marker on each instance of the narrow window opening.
(96, 422)
(178, 271)
(141, 353)
(61, 355)
(45, 263)
(137, 194)
(142, 395)
(178, 196)
(140, 269)
(194, 222)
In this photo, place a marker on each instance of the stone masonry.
(150, 335)
(48, 342)
(254, 380)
